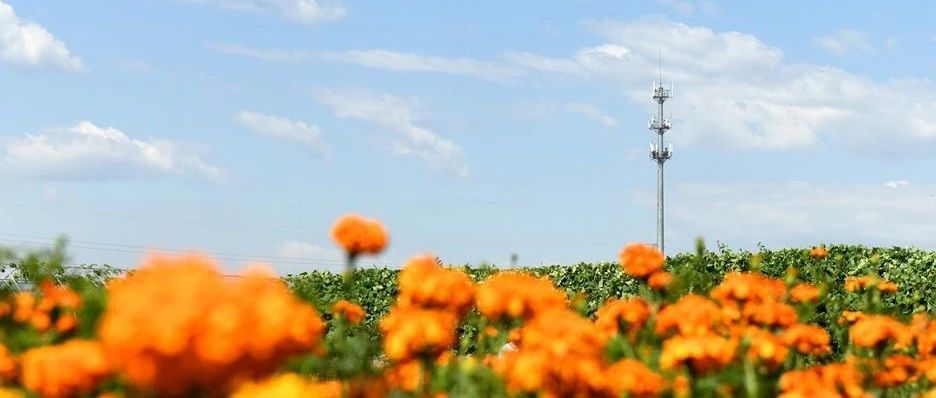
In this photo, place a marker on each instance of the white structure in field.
(658, 151)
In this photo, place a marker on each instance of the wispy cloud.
(590, 112)
(383, 59)
(393, 60)
(867, 213)
(283, 129)
(401, 116)
(745, 96)
(29, 45)
(86, 151)
(846, 42)
(896, 184)
(309, 12)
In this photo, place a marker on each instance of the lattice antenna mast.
(660, 125)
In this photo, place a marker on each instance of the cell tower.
(658, 152)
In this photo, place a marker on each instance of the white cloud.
(590, 112)
(896, 184)
(400, 115)
(392, 60)
(384, 59)
(845, 42)
(735, 91)
(307, 12)
(28, 45)
(786, 214)
(283, 128)
(89, 152)
(269, 55)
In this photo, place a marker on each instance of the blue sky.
(474, 130)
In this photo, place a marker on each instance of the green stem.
(750, 379)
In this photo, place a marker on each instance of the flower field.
(822, 322)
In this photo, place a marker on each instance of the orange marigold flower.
(835, 380)
(517, 295)
(632, 378)
(808, 339)
(405, 376)
(925, 331)
(872, 330)
(897, 369)
(850, 317)
(927, 368)
(887, 287)
(424, 283)
(66, 323)
(660, 280)
(804, 293)
(41, 321)
(765, 347)
(23, 304)
(818, 252)
(359, 235)
(352, 312)
(705, 353)
(7, 365)
(410, 333)
(748, 286)
(562, 332)
(853, 284)
(289, 385)
(177, 325)
(770, 313)
(560, 354)
(627, 316)
(692, 314)
(59, 295)
(640, 260)
(66, 370)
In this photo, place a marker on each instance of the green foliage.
(914, 270)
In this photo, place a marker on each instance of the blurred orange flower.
(351, 312)
(176, 325)
(887, 287)
(517, 295)
(850, 317)
(627, 316)
(897, 369)
(808, 339)
(853, 284)
(289, 385)
(359, 235)
(425, 284)
(804, 293)
(66, 370)
(765, 347)
(819, 252)
(560, 354)
(834, 380)
(691, 315)
(660, 280)
(640, 260)
(873, 330)
(704, 353)
(7, 365)
(411, 333)
(748, 286)
(770, 313)
(632, 378)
